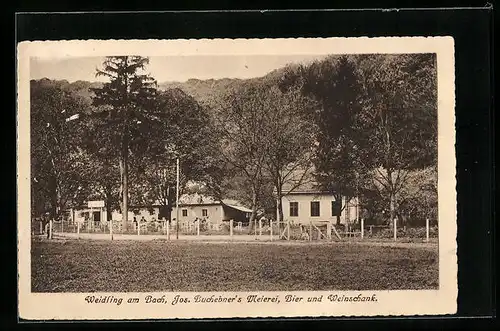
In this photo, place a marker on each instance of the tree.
(125, 101)
(57, 166)
(241, 125)
(399, 121)
(183, 131)
(416, 201)
(333, 84)
(377, 120)
(103, 180)
(290, 136)
(418, 197)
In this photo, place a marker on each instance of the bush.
(152, 227)
(224, 227)
(411, 233)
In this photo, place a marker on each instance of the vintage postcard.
(230, 178)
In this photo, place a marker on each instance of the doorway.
(96, 215)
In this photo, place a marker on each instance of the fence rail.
(259, 230)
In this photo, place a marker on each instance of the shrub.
(224, 227)
(410, 233)
(152, 227)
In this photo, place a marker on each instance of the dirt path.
(247, 239)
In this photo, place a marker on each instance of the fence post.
(62, 226)
(329, 230)
(139, 228)
(310, 230)
(231, 221)
(426, 230)
(50, 228)
(167, 222)
(287, 229)
(271, 229)
(362, 228)
(41, 227)
(319, 234)
(395, 229)
(371, 230)
(260, 227)
(198, 228)
(78, 230)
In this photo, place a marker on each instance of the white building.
(190, 207)
(307, 204)
(216, 211)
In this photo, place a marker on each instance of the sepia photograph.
(262, 175)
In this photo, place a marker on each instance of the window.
(314, 208)
(294, 209)
(184, 212)
(204, 212)
(336, 208)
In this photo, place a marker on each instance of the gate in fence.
(287, 230)
(321, 231)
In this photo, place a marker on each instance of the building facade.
(317, 207)
(216, 211)
(191, 207)
(303, 202)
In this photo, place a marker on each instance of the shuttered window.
(294, 209)
(314, 208)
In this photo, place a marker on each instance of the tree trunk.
(279, 195)
(124, 171)
(392, 207)
(253, 216)
(124, 155)
(125, 193)
(59, 204)
(279, 216)
(168, 210)
(53, 196)
(338, 197)
(109, 212)
(280, 210)
(168, 207)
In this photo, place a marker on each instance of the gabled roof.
(240, 208)
(306, 187)
(196, 199)
(302, 182)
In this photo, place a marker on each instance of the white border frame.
(68, 306)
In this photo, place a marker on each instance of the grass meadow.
(134, 266)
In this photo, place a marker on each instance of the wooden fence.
(260, 229)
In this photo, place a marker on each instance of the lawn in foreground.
(119, 266)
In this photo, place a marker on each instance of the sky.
(170, 68)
